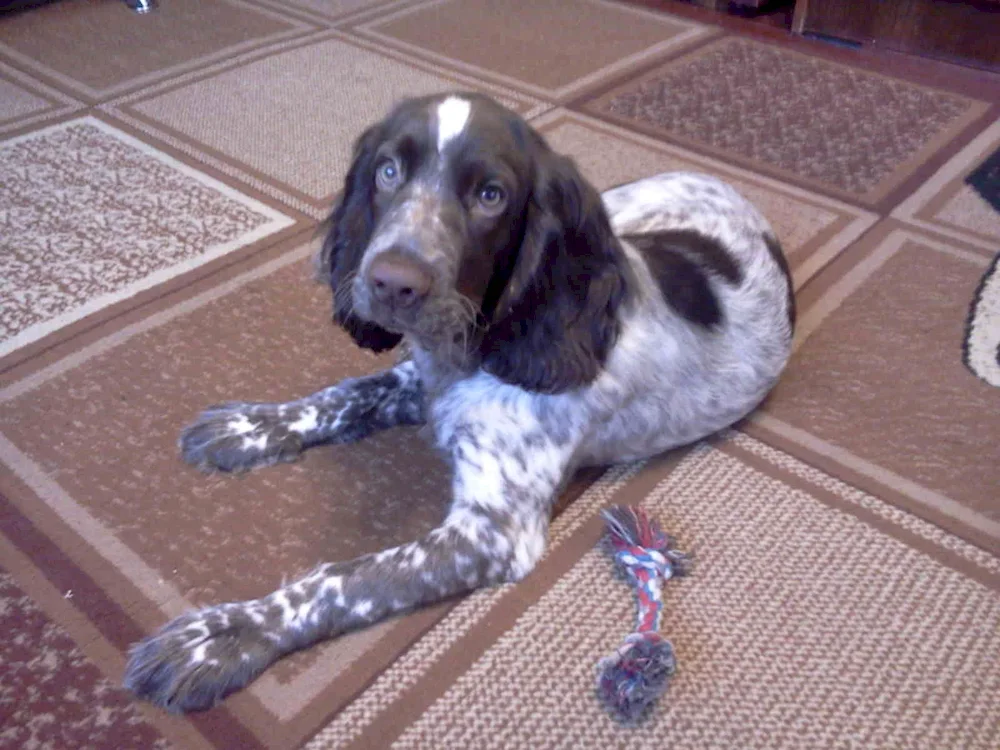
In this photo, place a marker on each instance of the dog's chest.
(436, 377)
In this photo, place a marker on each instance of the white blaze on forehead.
(452, 117)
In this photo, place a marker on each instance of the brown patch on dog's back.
(681, 262)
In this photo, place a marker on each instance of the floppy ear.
(350, 227)
(554, 319)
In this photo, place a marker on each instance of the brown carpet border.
(59, 104)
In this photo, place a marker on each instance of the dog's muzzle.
(412, 257)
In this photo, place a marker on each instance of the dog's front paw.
(238, 437)
(198, 659)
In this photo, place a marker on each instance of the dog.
(547, 327)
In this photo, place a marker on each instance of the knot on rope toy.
(630, 680)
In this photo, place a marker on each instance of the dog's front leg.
(240, 436)
(506, 475)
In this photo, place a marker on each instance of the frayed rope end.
(633, 678)
(630, 527)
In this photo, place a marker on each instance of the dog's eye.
(387, 175)
(492, 195)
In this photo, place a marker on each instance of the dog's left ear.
(553, 302)
(350, 228)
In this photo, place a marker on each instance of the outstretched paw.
(239, 436)
(198, 659)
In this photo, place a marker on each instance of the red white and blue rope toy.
(630, 680)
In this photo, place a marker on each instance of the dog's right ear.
(555, 320)
(349, 230)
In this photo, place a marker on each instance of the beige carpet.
(816, 616)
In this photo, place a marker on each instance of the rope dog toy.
(630, 680)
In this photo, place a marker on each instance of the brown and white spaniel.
(547, 327)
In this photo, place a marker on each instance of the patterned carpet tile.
(58, 41)
(877, 391)
(850, 131)
(319, 98)
(51, 695)
(541, 53)
(92, 216)
(800, 604)
(811, 228)
(946, 204)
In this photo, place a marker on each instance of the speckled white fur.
(668, 382)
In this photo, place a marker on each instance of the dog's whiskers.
(342, 296)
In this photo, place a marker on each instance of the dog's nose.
(398, 280)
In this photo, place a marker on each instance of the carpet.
(786, 113)
(160, 205)
(815, 616)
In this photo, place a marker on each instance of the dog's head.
(460, 228)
